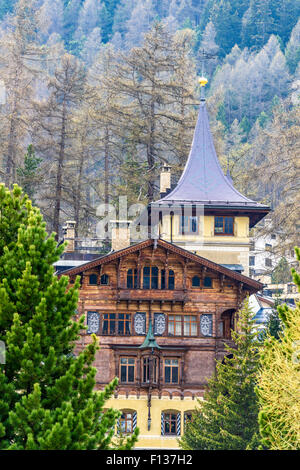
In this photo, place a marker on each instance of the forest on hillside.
(96, 95)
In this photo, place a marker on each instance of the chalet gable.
(164, 254)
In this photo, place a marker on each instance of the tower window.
(223, 225)
(251, 260)
(189, 225)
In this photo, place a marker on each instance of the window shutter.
(119, 426)
(134, 420)
(163, 424)
(206, 324)
(178, 424)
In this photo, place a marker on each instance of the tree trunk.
(58, 190)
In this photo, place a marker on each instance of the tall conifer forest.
(104, 91)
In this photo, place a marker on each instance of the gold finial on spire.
(202, 81)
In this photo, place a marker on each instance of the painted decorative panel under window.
(159, 324)
(206, 325)
(140, 323)
(93, 322)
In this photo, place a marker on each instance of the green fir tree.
(227, 417)
(29, 173)
(47, 396)
(274, 324)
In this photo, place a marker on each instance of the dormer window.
(150, 277)
(132, 279)
(93, 278)
(207, 282)
(196, 281)
(104, 280)
(224, 225)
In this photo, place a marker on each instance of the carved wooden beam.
(139, 270)
(100, 274)
(119, 273)
(185, 273)
(222, 279)
(167, 259)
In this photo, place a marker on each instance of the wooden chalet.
(164, 308)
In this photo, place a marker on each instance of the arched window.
(188, 417)
(104, 280)
(207, 282)
(196, 281)
(150, 277)
(171, 281)
(127, 422)
(93, 278)
(132, 279)
(170, 423)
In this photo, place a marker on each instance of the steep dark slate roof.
(203, 180)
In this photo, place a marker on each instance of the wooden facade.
(162, 315)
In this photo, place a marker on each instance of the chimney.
(120, 234)
(69, 235)
(165, 179)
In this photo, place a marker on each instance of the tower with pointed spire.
(205, 213)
